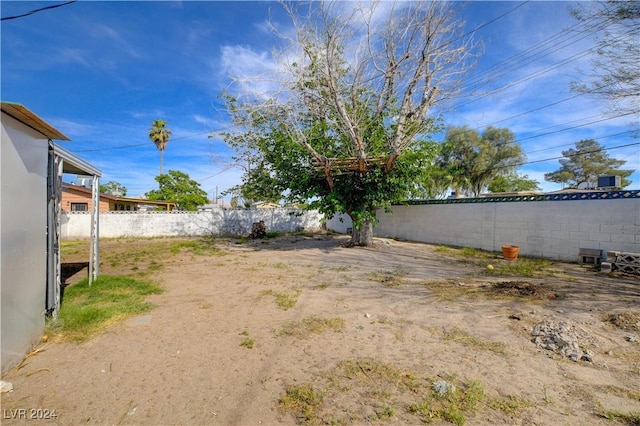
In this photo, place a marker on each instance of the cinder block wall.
(157, 224)
(548, 229)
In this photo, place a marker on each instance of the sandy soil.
(408, 306)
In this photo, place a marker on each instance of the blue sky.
(101, 72)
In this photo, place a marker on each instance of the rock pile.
(561, 338)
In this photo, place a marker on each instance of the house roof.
(28, 118)
(141, 201)
(87, 191)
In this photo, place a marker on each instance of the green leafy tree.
(586, 163)
(177, 187)
(347, 123)
(513, 182)
(114, 188)
(471, 161)
(159, 135)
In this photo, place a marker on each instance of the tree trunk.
(362, 236)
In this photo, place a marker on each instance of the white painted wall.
(23, 246)
(217, 221)
(549, 229)
(340, 223)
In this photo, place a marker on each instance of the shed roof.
(25, 116)
(74, 164)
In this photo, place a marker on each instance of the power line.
(31, 12)
(538, 73)
(574, 127)
(533, 53)
(592, 151)
(537, 51)
(559, 130)
(146, 143)
(485, 24)
(568, 144)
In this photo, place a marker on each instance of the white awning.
(74, 164)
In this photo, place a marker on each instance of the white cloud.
(254, 72)
(117, 41)
(68, 55)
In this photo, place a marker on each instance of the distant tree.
(238, 199)
(585, 163)
(470, 161)
(513, 182)
(257, 186)
(177, 187)
(114, 188)
(159, 135)
(615, 77)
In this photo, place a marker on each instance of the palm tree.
(159, 134)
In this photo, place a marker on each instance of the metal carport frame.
(62, 161)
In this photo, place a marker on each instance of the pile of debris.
(258, 230)
(621, 261)
(629, 321)
(523, 289)
(561, 338)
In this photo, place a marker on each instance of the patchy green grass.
(321, 286)
(618, 391)
(311, 325)
(247, 342)
(343, 268)
(200, 247)
(272, 234)
(464, 338)
(72, 247)
(629, 419)
(450, 290)
(273, 265)
(303, 402)
(453, 405)
(86, 309)
(392, 391)
(523, 267)
(474, 253)
(526, 267)
(145, 256)
(392, 278)
(284, 301)
(444, 249)
(368, 390)
(509, 404)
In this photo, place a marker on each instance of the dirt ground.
(222, 347)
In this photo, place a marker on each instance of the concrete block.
(573, 235)
(605, 267)
(599, 236)
(622, 238)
